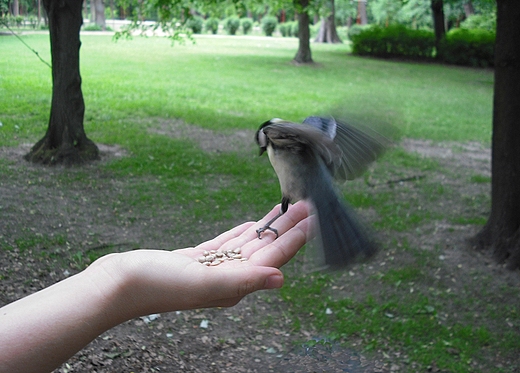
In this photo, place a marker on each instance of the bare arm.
(43, 330)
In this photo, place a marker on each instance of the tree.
(65, 140)
(502, 230)
(362, 18)
(327, 32)
(98, 13)
(303, 55)
(438, 21)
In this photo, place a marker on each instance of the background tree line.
(415, 14)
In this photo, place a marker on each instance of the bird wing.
(297, 137)
(359, 147)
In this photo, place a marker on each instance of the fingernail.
(273, 282)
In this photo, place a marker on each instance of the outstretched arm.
(41, 331)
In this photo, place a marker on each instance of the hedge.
(468, 47)
(460, 46)
(393, 41)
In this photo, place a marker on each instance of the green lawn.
(229, 83)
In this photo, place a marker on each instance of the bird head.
(260, 136)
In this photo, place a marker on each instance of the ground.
(254, 336)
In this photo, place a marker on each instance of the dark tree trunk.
(438, 21)
(65, 141)
(502, 231)
(304, 54)
(327, 32)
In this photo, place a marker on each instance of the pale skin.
(41, 331)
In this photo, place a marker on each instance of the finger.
(250, 241)
(218, 241)
(226, 286)
(285, 248)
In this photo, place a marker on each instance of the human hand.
(152, 281)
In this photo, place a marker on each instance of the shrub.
(356, 30)
(481, 21)
(19, 21)
(468, 47)
(195, 24)
(231, 24)
(212, 25)
(285, 29)
(295, 28)
(247, 25)
(394, 41)
(92, 27)
(269, 24)
(33, 21)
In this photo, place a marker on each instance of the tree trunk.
(502, 231)
(16, 8)
(304, 54)
(468, 8)
(438, 21)
(327, 32)
(362, 18)
(65, 140)
(99, 14)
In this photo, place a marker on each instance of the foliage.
(211, 25)
(232, 24)
(416, 14)
(295, 28)
(247, 25)
(195, 24)
(92, 27)
(486, 21)
(460, 46)
(473, 47)
(394, 41)
(285, 29)
(356, 30)
(269, 24)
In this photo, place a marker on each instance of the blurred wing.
(296, 137)
(359, 147)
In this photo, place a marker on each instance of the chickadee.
(306, 157)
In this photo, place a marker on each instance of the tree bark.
(502, 231)
(16, 8)
(303, 55)
(362, 18)
(437, 7)
(99, 14)
(65, 140)
(328, 32)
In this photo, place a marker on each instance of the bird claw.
(259, 231)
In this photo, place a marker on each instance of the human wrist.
(112, 278)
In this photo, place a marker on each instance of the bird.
(307, 157)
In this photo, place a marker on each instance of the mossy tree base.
(66, 154)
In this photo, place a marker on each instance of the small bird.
(306, 158)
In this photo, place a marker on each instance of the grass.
(230, 83)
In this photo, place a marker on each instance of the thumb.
(241, 282)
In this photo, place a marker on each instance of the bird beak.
(262, 150)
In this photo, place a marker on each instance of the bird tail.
(343, 237)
